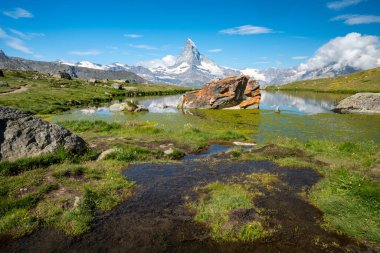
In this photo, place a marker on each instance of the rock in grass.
(4, 84)
(24, 135)
(360, 103)
(1, 73)
(116, 86)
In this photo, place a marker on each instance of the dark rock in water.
(4, 84)
(360, 103)
(24, 135)
(1, 73)
(229, 92)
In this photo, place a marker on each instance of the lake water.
(303, 115)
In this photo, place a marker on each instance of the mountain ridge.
(191, 68)
(16, 63)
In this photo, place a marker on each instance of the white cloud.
(166, 61)
(26, 36)
(354, 50)
(336, 5)
(112, 47)
(141, 46)
(216, 50)
(133, 35)
(301, 57)
(18, 13)
(85, 53)
(246, 30)
(14, 42)
(358, 19)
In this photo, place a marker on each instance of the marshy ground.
(214, 204)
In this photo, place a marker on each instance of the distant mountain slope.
(75, 71)
(363, 81)
(192, 68)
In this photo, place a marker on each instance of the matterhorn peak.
(190, 42)
(190, 55)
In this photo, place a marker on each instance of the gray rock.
(141, 108)
(24, 135)
(1, 73)
(130, 88)
(65, 75)
(116, 86)
(169, 151)
(4, 84)
(360, 103)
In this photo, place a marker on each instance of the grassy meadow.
(364, 81)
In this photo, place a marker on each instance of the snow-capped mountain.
(191, 68)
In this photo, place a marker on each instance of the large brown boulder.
(229, 92)
(24, 135)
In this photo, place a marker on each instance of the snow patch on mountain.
(342, 55)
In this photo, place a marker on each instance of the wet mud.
(155, 218)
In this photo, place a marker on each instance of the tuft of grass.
(134, 153)
(23, 164)
(85, 125)
(264, 179)
(350, 203)
(214, 207)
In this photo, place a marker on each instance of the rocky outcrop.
(360, 103)
(1, 73)
(129, 106)
(232, 91)
(24, 135)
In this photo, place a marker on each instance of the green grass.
(15, 167)
(47, 95)
(350, 203)
(347, 194)
(364, 81)
(214, 206)
(134, 153)
(38, 197)
(188, 139)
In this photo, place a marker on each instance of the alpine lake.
(303, 115)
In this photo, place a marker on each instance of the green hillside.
(41, 93)
(364, 81)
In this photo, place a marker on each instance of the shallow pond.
(303, 115)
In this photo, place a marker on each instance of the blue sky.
(280, 33)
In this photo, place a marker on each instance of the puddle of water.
(154, 219)
(212, 150)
